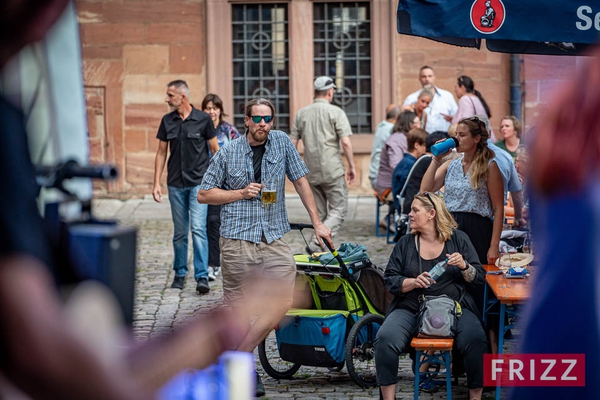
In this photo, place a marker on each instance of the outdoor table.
(508, 291)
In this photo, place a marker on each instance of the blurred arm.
(44, 357)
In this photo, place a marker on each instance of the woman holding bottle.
(433, 239)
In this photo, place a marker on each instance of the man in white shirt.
(442, 107)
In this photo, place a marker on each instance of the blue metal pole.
(515, 86)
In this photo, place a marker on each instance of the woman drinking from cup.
(474, 190)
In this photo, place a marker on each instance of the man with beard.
(252, 229)
(441, 108)
(186, 131)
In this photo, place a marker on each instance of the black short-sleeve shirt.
(188, 146)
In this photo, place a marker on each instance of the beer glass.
(268, 194)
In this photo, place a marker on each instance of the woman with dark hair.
(433, 238)
(470, 101)
(392, 152)
(213, 106)
(474, 190)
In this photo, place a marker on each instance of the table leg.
(417, 374)
(500, 343)
(485, 291)
(502, 329)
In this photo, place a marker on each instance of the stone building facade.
(240, 49)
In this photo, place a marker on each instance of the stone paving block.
(152, 210)
(106, 208)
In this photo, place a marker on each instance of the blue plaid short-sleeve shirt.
(231, 169)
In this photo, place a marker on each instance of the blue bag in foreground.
(231, 378)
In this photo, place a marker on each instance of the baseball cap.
(324, 83)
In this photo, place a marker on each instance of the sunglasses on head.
(256, 118)
(477, 120)
(426, 194)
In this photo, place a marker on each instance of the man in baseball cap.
(324, 83)
(322, 127)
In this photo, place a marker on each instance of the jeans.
(213, 228)
(185, 207)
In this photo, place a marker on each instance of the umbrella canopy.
(559, 27)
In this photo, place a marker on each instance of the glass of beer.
(268, 194)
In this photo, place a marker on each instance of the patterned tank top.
(460, 197)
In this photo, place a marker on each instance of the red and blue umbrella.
(557, 27)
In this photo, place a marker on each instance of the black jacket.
(404, 263)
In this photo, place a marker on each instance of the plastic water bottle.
(443, 147)
(438, 269)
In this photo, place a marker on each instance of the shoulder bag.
(438, 315)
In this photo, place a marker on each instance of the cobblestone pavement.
(159, 309)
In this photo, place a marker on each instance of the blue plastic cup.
(444, 147)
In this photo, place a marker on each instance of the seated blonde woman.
(433, 238)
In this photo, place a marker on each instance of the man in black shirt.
(189, 133)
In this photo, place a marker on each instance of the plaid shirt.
(231, 169)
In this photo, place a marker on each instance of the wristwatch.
(465, 268)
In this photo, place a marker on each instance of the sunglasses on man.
(256, 118)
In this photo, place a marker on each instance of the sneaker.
(260, 388)
(202, 286)
(178, 282)
(217, 270)
(211, 274)
(428, 386)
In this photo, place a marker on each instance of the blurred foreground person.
(563, 313)
(41, 353)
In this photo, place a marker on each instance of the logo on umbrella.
(487, 16)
